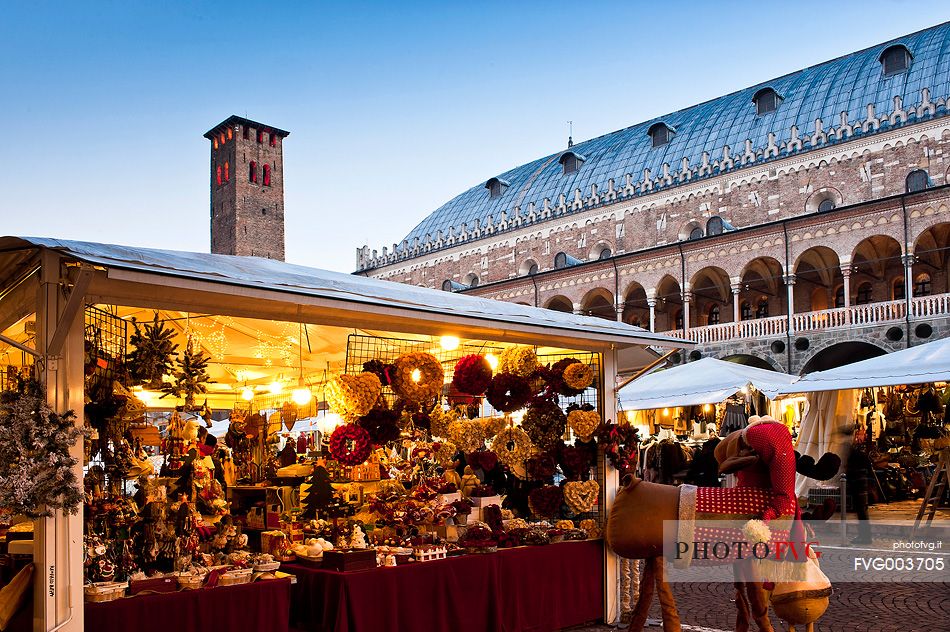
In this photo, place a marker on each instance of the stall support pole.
(611, 483)
(58, 591)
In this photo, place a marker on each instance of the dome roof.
(846, 85)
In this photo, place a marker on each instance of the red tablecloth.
(262, 605)
(526, 589)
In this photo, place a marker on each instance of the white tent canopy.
(917, 365)
(705, 381)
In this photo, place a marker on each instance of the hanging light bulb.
(275, 387)
(301, 396)
(492, 360)
(449, 343)
(329, 422)
(247, 393)
(416, 375)
(707, 408)
(666, 412)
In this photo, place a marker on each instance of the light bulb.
(707, 408)
(449, 343)
(275, 387)
(247, 393)
(666, 412)
(416, 375)
(300, 396)
(492, 360)
(329, 422)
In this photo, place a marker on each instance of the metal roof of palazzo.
(363, 292)
(846, 84)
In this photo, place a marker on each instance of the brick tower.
(247, 188)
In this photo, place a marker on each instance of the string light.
(492, 360)
(449, 343)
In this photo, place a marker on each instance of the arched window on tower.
(252, 172)
(227, 171)
(260, 136)
(230, 133)
(917, 180)
(218, 175)
(273, 139)
(266, 175)
(247, 132)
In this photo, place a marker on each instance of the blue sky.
(393, 108)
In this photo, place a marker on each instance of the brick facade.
(247, 213)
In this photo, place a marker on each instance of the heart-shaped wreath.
(581, 496)
(352, 396)
(584, 423)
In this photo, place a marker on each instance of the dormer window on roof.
(895, 59)
(766, 100)
(496, 186)
(661, 133)
(571, 161)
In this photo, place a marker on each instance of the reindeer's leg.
(642, 609)
(671, 618)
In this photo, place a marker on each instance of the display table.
(534, 588)
(262, 605)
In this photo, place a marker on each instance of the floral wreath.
(472, 374)
(521, 361)
(541, 467)
(544, 422)
(352, 396)
(545, 501)
(468, 435)
(508, 392)
(443, 451)
(620, 443)
(492, 425)
(584, 423)
(428, 386)
(578, 376)
(521, 447)
(381, 424)
(575, 460)
(350, 445)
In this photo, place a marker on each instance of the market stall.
(681, 412)
(899, 399)
(431, 424)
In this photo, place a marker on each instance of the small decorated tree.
(191, 377)
(36, 469)
(319, 494)
(153, 355)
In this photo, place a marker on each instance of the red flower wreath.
(350, 444)
(472, 374)
(545, 501)
(508, 392)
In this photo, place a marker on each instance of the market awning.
(924, 363)
(287, 278)
(705, 381)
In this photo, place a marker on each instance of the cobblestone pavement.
(906, 607)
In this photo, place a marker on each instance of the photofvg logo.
(52, 580)
(716, 550)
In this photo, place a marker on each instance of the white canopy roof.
(705, 381)
(371, 294)
(924, 363)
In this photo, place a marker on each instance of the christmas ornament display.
(418, 377)
(352, 396)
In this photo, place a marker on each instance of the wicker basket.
(236, 576)
(101, 592)
(191, 582)
(266, 567)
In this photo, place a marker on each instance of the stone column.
(736, 316)
(846, 274)
(909, 279)
(651, 303)
(687, 296)
(578, 309)
(619, 308)
(790, 298)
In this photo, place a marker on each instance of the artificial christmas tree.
(36, 469)
(153, 355)
(190, 377)
(319, 493)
